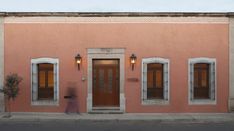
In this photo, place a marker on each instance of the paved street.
(118, 122)
(86, 125)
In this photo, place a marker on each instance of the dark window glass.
(45, 81)
(155, 81)
(201, 81)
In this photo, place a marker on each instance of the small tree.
(11, 89)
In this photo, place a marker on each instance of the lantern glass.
(133, 61)
(78, 61)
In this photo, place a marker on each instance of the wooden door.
(106, 83)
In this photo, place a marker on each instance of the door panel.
(105, 83)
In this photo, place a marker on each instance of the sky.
(116, 5)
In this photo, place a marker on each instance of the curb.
(158, 118)
(112, 120)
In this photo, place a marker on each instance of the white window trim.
(190, 85)
(144, 99)
(54, 102)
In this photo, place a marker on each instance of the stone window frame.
(166, 80)
(213, 82)
(34, 84)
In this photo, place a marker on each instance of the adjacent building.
(120, 62)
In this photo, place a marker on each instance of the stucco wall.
(175, 41)
(1, 63)
(231, 67)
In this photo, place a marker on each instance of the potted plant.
(11, 89)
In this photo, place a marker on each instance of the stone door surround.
(105, 53)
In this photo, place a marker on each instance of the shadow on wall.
(71, 96)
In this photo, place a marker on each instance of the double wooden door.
(105, 83)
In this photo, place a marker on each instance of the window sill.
(202, 102)
(44, 103)
(155, 102)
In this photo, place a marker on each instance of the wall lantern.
(78, 60)
(133, 60)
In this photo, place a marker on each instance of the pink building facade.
(182, 61)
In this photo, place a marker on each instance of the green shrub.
(11, 88)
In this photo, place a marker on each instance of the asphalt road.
(113, 126)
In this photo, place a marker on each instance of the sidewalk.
(157, 117)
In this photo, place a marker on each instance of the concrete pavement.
(159, 117)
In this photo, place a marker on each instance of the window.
(44, 81)
(155, 81)
(202, 82)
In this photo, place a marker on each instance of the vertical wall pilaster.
(231, 65)
(2, 107)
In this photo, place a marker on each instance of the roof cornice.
(117, 14)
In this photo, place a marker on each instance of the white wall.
(231, 67)
(1, 63)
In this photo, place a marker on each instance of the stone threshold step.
(105, 111)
